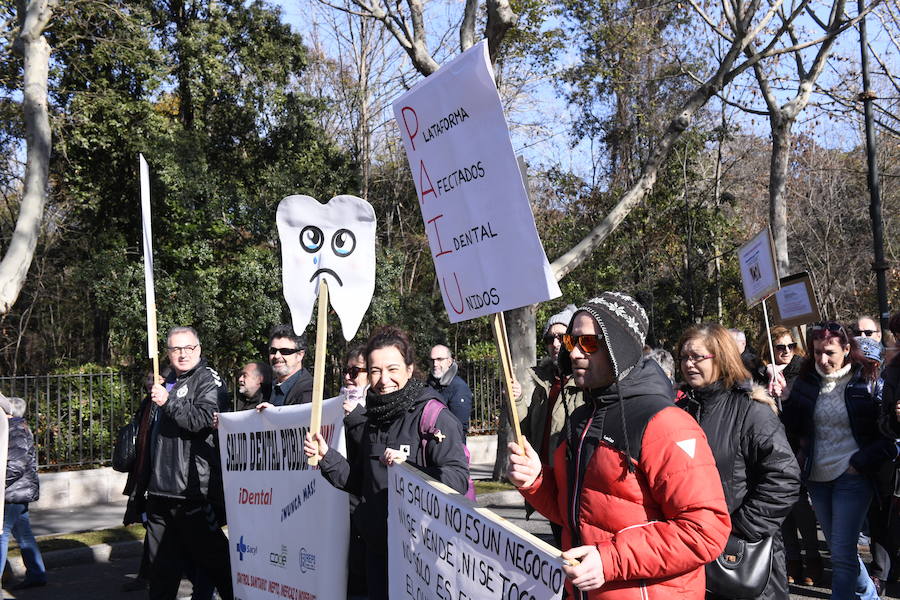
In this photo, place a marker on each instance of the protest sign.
(277, 505)
(487, 254)
(442, 547)
(795, 302)
(759, 273)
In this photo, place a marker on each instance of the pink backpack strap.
(428, 424)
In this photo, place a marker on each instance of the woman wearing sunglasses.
(832, 416)
(395, 403)
(789, 357)
(755, 462)
(633, 482)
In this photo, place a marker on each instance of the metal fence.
(75, 417)
(485, 379)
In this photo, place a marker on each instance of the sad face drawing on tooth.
(333, 241)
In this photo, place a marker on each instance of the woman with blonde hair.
(786, 365)
(756, 465)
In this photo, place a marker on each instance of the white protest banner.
(441, 546)
(279, 507)
(759, 273)
(487, 254)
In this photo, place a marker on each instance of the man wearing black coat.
(452, 388)
(185, 501)
(293, 384)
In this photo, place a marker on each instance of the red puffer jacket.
(655, 525)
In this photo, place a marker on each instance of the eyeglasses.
(353, 372)
(589, 343)
(696, 358)
(867, 332)
(786, 347)
(553, 337)
(439, 358)
(182, 349)
(284, 351)
(822, 330)
(831, 326)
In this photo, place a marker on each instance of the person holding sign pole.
(185, 503)
(394, 409)
(634, 482)
(832, 417)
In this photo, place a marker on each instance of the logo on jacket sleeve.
(182, 392)
(689, 446)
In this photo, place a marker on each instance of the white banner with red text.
(277, 505)
(443, 547)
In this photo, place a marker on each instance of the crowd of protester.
(655, 472)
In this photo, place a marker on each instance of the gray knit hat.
(624, 325)
(561, 318)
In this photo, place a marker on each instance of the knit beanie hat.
(561, 318)
(623, 323)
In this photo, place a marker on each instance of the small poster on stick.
(487, 254)
(759, 272)
(795, 303)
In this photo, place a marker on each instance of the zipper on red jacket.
(573, 517)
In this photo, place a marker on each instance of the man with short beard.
(254, 385)
(293, 384)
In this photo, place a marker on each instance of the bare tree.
(33, 17)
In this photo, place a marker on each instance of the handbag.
(125, 450)
(742, 570)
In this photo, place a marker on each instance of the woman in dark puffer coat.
(22, 487)
(759, 473)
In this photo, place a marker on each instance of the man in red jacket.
(634, 483)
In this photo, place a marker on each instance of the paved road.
(105, 580)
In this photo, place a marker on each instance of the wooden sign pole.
(315, 423)
(499, 326)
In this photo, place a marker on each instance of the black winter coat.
(890, 396)
(455, 393)
(863, 401)
(367, 477)
(759, 473)
(184, 457)
(300, 392)
(22, 485)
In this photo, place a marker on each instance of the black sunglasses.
(867, 332)
(785, 347)
(353, 372)
(550, 337)
(283, 351)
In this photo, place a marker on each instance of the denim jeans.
(841, 506)
(16, 521)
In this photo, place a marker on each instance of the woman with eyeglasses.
(756, 465)
(832, 416)
(786, 366)
(395, 403)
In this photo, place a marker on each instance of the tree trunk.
(778, 172)
(33, 18)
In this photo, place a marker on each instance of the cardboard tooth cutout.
(334, 241)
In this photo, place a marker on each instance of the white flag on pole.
(152, 350)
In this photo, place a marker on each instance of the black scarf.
(384, 409)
